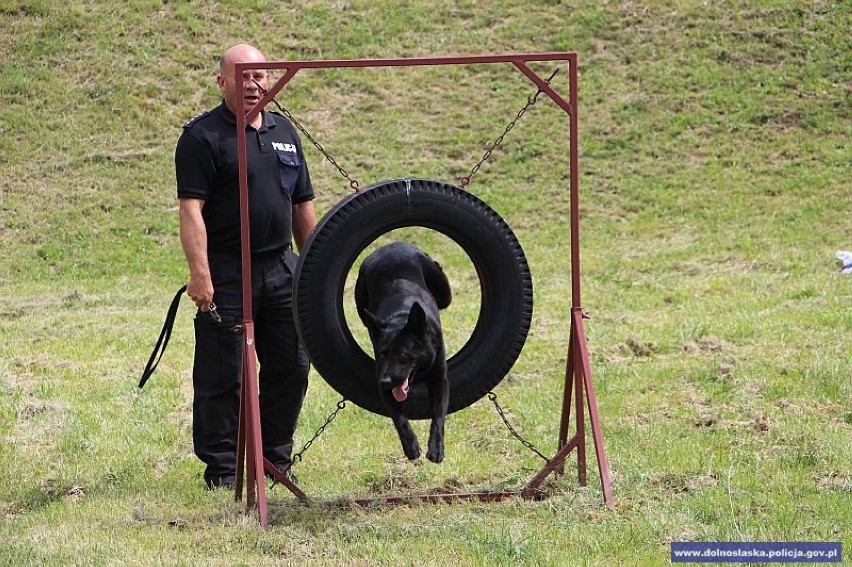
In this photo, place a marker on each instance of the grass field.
(715, 190)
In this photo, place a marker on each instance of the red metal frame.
(578, 375)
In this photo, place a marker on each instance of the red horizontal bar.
(410, 61)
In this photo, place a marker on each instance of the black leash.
(165, 335)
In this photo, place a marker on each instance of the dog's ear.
(373, 323)
(416, 324)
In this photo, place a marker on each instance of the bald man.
(281, 210)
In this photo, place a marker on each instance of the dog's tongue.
(400, 393)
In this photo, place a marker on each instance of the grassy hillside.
(715, 190)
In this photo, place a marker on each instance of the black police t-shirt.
(207, 167)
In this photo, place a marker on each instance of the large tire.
(358, 220)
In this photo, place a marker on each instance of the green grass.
(715, 189)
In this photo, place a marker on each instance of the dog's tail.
(163, 341)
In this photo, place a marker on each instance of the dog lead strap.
(163, 341)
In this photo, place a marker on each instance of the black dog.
(398, 294)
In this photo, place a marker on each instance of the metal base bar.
(279, 476)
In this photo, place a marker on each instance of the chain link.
(531, 100)
(353, 183)
(493, 397)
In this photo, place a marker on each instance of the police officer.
(281, 209)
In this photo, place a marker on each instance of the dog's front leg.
(410, 445)
(439, 396)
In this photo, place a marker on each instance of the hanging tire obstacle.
(358, 220)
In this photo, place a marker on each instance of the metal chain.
(353, 183)
(531, 100)
(298, 456)
(493, 397)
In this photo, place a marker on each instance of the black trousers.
(217, 368)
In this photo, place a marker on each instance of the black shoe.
(215, 482)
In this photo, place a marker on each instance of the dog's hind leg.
(439, 396)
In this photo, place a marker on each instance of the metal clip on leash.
(214, 313)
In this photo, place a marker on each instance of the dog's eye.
(399, 354)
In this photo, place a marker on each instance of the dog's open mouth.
(400, 393)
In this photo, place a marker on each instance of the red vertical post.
(249, 426)
(576, 302)
(574, 180)
(578, 350)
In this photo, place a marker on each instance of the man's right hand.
(200, 290)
